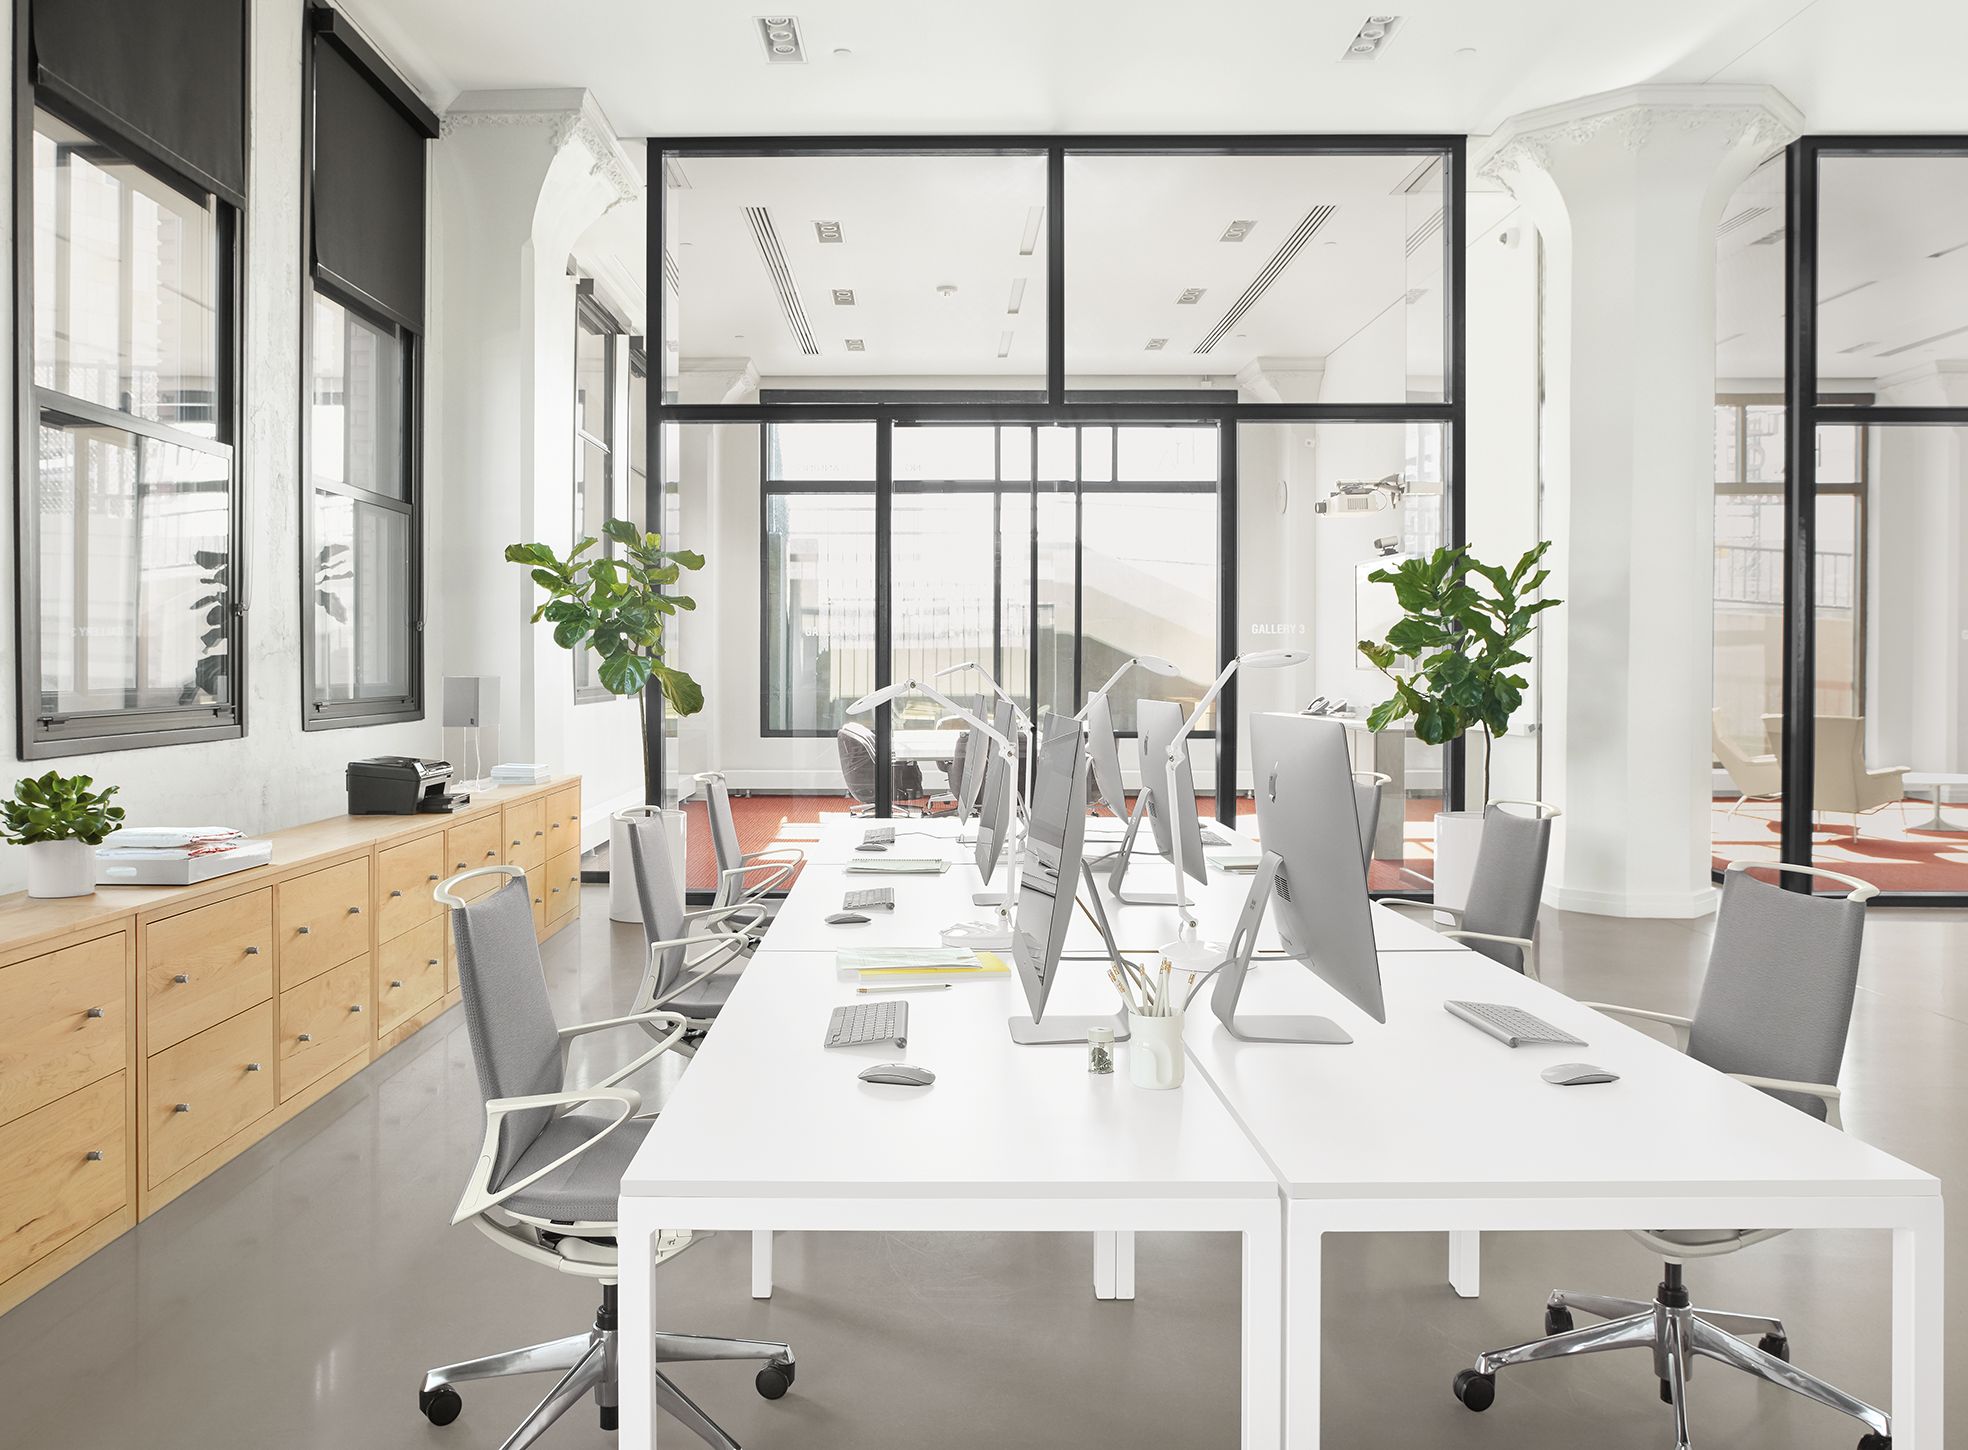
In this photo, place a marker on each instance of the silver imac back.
(1049, 868)
(1172, 792)
(1104, 756)
(995, 805)
(977, 753)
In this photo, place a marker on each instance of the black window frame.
(1056, 403)
(592, 315)
(43, 736)
(324, 25)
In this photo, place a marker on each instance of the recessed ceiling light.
(1017, 296)
(827, 231)
(843, 296)
(1372, 37)
(1190, 296)
(1466, 52)
(842, 51)
(1004, 344)
(946, 290)
(1028, 241)
(1156, 344)
(780, 36)
(855, 344)
(1237, 231)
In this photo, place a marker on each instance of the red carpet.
(1896, 848)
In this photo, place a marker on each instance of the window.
(607, 475)
(129, 524)
(362, 528)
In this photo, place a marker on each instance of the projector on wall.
(1354, 503)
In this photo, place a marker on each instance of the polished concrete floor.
(295, 1298)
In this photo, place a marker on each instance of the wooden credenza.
(149, 1034)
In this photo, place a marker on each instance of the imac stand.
(1229, 985)
(1125, 853)
(1027, 1031)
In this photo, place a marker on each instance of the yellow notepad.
(920, 964)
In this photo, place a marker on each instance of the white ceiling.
(672, 68)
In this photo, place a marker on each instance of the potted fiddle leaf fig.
(60, 821)
(615, 605)
(1452, 658)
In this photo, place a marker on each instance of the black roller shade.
(167, 75)
(368, 198)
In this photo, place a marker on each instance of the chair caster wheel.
(1476, 1390)
(440, 1406)
(1871, 1441)
(774, 1380)
(1557, 1319)
(1777, 1345)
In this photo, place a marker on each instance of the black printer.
(401, 785)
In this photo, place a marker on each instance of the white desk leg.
(1124, 1264)
(1263, 1330)
(1466, 1262)
(636, 1319)
(1304, 1302)
(1103, 1263)
(761, 1263)
(1919, 1284)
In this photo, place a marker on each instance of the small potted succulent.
(61, 821)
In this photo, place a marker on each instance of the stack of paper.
(898, 866)
(176, 855)
(876, 966)
(520, 774)
(162, 842)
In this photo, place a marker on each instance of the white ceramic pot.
(1154, 1045)
(61, 868)
(623, 903)
(1458, 837)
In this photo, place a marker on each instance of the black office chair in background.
(856, 743)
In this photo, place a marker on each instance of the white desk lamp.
(1186, 952)
(1023, 724)
(1154, 664)
(979, 936)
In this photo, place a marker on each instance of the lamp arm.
(1202, 705)
(936, 696)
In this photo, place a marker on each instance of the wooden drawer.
(450, 960)
(536, 887)
(404, 877)
(64, 1020)
(322, 919)
(409, 975)
(51, 1188)
(472, 844)
(206, 1089)
(526, 833)
(206, 965)
(563, 810)
(563, 884)
(323, 1023)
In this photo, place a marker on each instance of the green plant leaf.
(682, 693)
(624, 673)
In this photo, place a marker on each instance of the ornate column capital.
(1728, 118)
(569, 116)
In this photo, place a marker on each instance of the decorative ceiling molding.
(1757, 117)
(571, 116)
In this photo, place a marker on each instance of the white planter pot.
(1458, 837)
(61, 868)
(623, 903)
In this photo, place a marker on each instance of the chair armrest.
(1681, 1025)
(780, 871)
(715, 915)
(724, 949)
(479, 1194)
(1402, 903)
(1825, 1092)
(1529, 947)
(675, 1022)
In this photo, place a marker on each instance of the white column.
(1626, 189)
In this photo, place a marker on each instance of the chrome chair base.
(1676, 1334)
(587, 1363)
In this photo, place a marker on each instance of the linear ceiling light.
(781, 39)
(1017, 296)
(1004, 344)
(1028, 243)
(1372, 37)
(780, 273)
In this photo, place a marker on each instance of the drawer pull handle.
(304, 930)
(94, 1155)
(252, 1067)
(539, 901)
(94, 1012)
(397, 983)
(515, 842)
(490, 854)
(556, 891)
(182, 1108)
(307, 1037)
(357, 911)
(433, 875)
(181, 978)
(356, 1008)
(399, 893)
(252, 951)
(431, 963)
(538, 834)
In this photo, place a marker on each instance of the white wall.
(277, 775)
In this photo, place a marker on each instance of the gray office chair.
(1773, 1013)
(856, 744)
(1499, 918)
(548, 1178)
(773, 869)
(1367, 786)
(688, 950)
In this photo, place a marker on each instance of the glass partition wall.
(999, 402)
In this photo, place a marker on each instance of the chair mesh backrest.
(1366, 806)
(856, 743)
(515, 1041)
(724, 827)
(660, 897)
(1782, 973)
(1507, 881)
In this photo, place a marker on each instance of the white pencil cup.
(1155, 1050)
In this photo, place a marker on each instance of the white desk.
(768, 1130)
(1424, 1124)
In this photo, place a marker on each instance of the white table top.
(926, 744)
(1426, 1106)
(1930, 778)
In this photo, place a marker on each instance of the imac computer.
(994, 807)
(1312, 877)
(1168, 801)
(1104, 756)
(1049, 880)
(977, 752)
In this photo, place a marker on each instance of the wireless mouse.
(847, 918)
(900, 1074)
(1577, 1074)
(871, 848)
